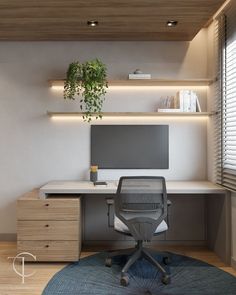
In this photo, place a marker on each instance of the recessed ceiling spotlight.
(92, 23)
(172, 23)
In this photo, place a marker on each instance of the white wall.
(35, 149)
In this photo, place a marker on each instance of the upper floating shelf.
(147, 82)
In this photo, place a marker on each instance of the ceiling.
(37, 20)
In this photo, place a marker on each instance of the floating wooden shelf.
(147, 82)
(132, 114)
(160, 82)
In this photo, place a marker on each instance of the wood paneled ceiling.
(118, 19)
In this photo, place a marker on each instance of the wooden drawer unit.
(49, 228)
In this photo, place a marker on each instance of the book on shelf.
(139, 76)
(199, 109)
(187, 101)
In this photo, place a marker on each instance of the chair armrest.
(109, 201)
(169, 203)
(110, 212)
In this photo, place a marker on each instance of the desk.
(49, 219)
(87, 187)
(200, 213)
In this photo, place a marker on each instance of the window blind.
(216, 99)
(227, 143)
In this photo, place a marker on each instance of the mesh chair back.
(141, 203)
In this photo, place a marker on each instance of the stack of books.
(187, 101)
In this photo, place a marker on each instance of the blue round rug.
(188, 277)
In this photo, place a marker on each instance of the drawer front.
(50, 250)
(49, 209)
(48, 230)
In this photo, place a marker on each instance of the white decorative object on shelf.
(137, 71)
(166, 104)
(138, 74)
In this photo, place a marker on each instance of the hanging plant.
(89, 81)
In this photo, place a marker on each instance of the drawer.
(50, 250)
(48, 230)
(49, 209)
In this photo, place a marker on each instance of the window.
(228, 98)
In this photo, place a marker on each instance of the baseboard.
(233, 263)
(7, 237)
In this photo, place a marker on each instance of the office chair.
(140, 209)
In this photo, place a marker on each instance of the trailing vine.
(88, 80)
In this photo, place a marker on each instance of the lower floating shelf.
(133, 114)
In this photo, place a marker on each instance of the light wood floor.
(10, 283)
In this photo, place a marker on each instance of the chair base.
(136, 253)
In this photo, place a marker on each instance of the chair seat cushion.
(121, 227)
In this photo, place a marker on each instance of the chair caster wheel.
(166, 279)
(166, 260)
(108, 262)
(124, 281)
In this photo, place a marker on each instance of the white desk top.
(87, 187)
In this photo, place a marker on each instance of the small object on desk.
(93, 173)
(100, 183)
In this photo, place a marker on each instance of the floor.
(10, 282)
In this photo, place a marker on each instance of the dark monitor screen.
(130, 146)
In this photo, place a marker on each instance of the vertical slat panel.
(226, 139)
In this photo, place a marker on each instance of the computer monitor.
(130, 146)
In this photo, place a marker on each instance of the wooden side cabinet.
(50, 228)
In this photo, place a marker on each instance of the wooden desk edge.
(40, 194)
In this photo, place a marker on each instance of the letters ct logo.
(21, 256)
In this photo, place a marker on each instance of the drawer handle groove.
(46, 246)
(46, 205)
(46, 225)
